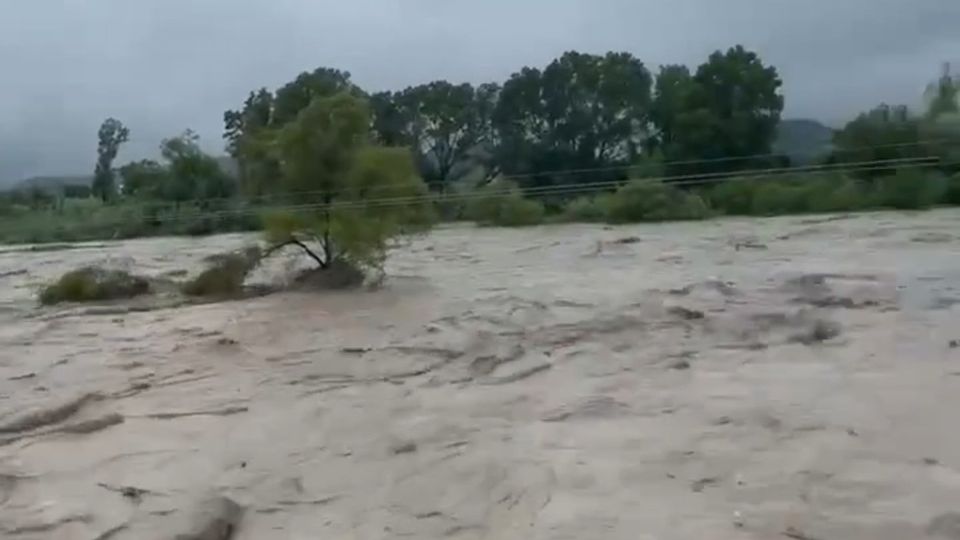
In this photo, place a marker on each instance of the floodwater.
(731, 379)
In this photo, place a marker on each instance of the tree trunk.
(328, 251)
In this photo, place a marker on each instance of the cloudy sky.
(165, 65)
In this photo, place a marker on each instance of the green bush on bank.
(649, 200)
(503, 204)
(952, 192)
(587, 209)
(909, 190)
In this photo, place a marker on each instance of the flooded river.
(729, 379)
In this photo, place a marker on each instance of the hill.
(803, 140)
(52, 183)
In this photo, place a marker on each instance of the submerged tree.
(353, 196)
(112, 134)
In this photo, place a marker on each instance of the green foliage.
(145, 178)
(92, 284)
(729, 108)
(883, 134)
(652, 200)
(443, 123)
(952, 192)
(503, 204)
(328, 162)
(192, 174)
(226, 274)
(587, 209)
(112, 134)
(943, 96)
(250, 131)
(582, 111)
(836, 194)
(733, 196)
(776, 195)
(909, 189)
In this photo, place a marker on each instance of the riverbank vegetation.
(603, 138)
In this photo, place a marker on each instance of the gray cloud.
(162, 67)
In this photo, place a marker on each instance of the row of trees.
(896, 133)
(582, 112)
(186, 173)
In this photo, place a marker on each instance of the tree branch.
(295, 242)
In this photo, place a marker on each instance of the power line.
(583, 188)
(689, 179)
(567, 172)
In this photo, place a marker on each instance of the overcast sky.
(165, 65)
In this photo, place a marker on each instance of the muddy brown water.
(727, 379)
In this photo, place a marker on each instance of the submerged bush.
(225, 275)
(92, 284)
(503, 204)
(649, 200)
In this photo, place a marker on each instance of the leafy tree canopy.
(581, 111)
(355, 195)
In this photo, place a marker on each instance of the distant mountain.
(52, 183)
(803, 140)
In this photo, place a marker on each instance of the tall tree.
(582, 111)
(328, 161)
(298, 94)
(391, 120)
(145, 178)
(444, 125)
(730, 108)
(193, 174)
(248, 130)
(111, 136)
(671, 91)
(942, 95)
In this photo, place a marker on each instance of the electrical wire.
(582, 188)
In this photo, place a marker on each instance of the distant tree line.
(596, 114)
(322, 142)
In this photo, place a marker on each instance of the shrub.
(225, 275)
(734, 196)
(775, 197)
(952, 192)
(91, 284)
(503, 204)
(649, 200)
(909, 190)
(586, 209)
(836, 194)
(516, 211)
